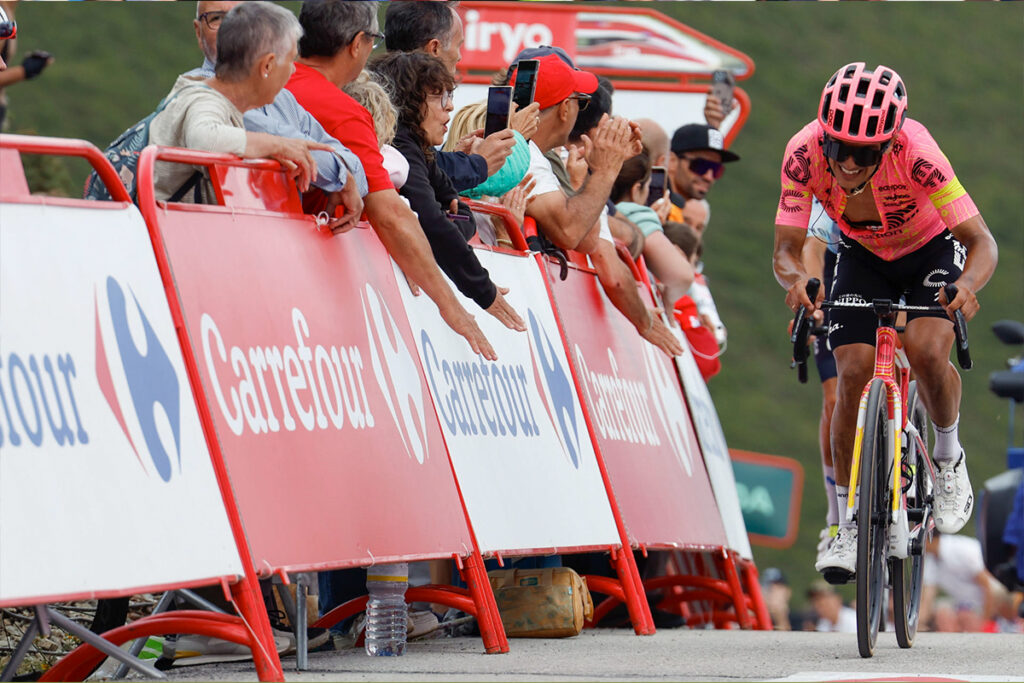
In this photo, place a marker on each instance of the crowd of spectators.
(368, 141)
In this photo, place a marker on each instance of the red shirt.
(702, 340)
(344, 119)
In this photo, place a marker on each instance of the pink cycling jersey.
(915, 190)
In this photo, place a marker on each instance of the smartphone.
(657, 190)
(722, 84)
(499, 108)
(526, 82)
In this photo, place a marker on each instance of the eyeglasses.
(446, 97)
(8, 27)
(582, 98)
(377, 38)
(701, 166)
(212, 19)
(838, 151)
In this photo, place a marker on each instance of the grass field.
(963, 66)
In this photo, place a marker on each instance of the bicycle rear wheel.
(872, 520)
(908, 574)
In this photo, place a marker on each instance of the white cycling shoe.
(954, 498)
(839, 563)
(825, 538)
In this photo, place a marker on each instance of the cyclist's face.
(848, 172)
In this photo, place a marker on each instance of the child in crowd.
(698, 330)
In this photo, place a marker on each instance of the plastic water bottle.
(387, 615)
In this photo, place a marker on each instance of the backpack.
(123, 154)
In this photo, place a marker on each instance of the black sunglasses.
(582, 98)
(212, 19)
(839, 151)
(701, 166)
(8, 27)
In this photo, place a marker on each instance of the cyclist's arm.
(787, 262)
(982, 256)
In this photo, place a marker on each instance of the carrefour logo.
(669, 406)
(152, 382)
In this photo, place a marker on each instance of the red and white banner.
(514, 428)
(101, 449)
(312, 377)
(640, 420)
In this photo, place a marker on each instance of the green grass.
(963, 68)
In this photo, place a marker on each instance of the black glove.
(35, 63)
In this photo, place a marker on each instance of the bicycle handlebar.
(802, 326)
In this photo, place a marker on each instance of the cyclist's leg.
(826, 364)
(928, 341)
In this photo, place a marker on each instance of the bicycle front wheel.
(908, 574)
(872, 520)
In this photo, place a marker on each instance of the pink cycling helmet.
(861, 106)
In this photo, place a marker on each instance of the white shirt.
(847, 622)
(955, 570)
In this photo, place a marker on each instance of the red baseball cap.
(557, 81)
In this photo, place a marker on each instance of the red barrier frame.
(252, 626)
(481, 597)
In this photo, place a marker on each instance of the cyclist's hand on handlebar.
(796, 296)
(966, 301)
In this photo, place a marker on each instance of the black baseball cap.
(695, 137)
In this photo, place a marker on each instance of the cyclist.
(908, 228)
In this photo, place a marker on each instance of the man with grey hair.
(337, 41)
(339, 173)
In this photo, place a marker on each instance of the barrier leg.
(727, 565)
(21, 650)
(633, 591)
(492, 631)
(249, 601)
(753, 584)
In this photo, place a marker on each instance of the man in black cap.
(696, 162)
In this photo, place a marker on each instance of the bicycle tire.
(908, 574)
(872, 529)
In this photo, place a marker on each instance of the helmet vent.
(876, 101)
(837, 123)
(885, 77)
(855, 115)
(862, 87)
(844, 91)
(890, 120)
(850, 71)
(872, 124)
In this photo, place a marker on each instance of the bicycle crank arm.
(899, 535)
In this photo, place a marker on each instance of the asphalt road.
(670, 655)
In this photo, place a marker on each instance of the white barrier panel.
(514, 428)
(716, 453)
(106, 482)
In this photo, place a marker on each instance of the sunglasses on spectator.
(8, 28)
(702, 166)
(582, 98)
(377, 38)
(212, 19)
(839, 151)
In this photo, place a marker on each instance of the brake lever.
(963, 353)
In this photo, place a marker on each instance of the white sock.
(832, 517)
(947, 442)
(842, 498)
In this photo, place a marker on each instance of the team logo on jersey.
(925, 173)
(798, 166)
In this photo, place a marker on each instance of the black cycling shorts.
(823, 357)
(862, 276)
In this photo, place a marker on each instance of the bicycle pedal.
(837, 576)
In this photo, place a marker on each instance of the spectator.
(471, 118)
(833, 615)
(337, 40)
(375, 99)
(695, 215)
(573, 222)
(424, 103)
(256, 47)
(630, 191)
(699, 330)
(956, 566)
(30, 67)
(655, 140)
(695, 164)
(339, 173)
(435, 28)
(777, 593)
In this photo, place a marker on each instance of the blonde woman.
(376, 99)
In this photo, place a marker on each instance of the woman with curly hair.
(422, 87)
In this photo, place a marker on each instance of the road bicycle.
(892, 478)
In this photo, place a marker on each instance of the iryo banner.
(102, 455)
